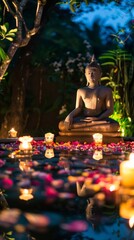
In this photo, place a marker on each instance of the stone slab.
(89, 134)
(12, 140)
(88, 139)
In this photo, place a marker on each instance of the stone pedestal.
(88, 137)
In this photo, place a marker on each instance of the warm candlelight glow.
(26, 194)
(49, 153)
(25, 165)
(127, 209)
(49, 138)
(25, 144)
(98, 137)
(131, 158)
(127, 172)
(131, 222)
(98, 155)
(112, 188)
(12, 133)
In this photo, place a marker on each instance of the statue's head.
(93, 64)
(93, 73)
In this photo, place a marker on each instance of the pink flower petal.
(75, 226)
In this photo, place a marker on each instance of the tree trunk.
(14, 116)
(11, 52)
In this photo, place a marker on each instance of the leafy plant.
(117, 63)
(5, 33)
(3, 55)
(125, 122)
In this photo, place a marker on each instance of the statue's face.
(92, 75)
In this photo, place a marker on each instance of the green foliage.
(64, 58)
(125, 122)
(7, 34)
(3, 55)
(117, 63)
(8, 236)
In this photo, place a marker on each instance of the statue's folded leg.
(107, 125)
(63, 126)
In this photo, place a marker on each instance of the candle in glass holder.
(25, 144)
(12, 133)
(49, 138)
(98, 137)
(49, 153)
(26, 194)
(127, 172)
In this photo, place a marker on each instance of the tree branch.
(19, 41)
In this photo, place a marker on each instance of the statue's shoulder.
(82, 89)
(105, 88)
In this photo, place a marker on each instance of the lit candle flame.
(12, 132)
(131, 157)
(131, 222)
(49, 137)
(112, 188)
(98, 138)
(26, 194)
(25, 144)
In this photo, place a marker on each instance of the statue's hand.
(90, 119)
(68, 122)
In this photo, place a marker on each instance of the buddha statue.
(94, 105)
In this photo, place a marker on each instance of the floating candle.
(49, 138)
(127, 172)
(25, 144)
(12, 133)
(98, 137)
(26, 194)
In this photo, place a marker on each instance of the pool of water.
(40, 196)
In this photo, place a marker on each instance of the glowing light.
(127, 172)
(25, 144)
(49, 153)
(12, 133)
(26, 194)
(98, 137)
(49, 137)
(131, 222)
(112, 188)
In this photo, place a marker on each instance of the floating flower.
(7, 183)
(2, 163)
(75, 226)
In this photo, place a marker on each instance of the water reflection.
(25, 164)
(106, 217)
(49, 153)
(75, 195)
(26, 194)
(98, 154)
